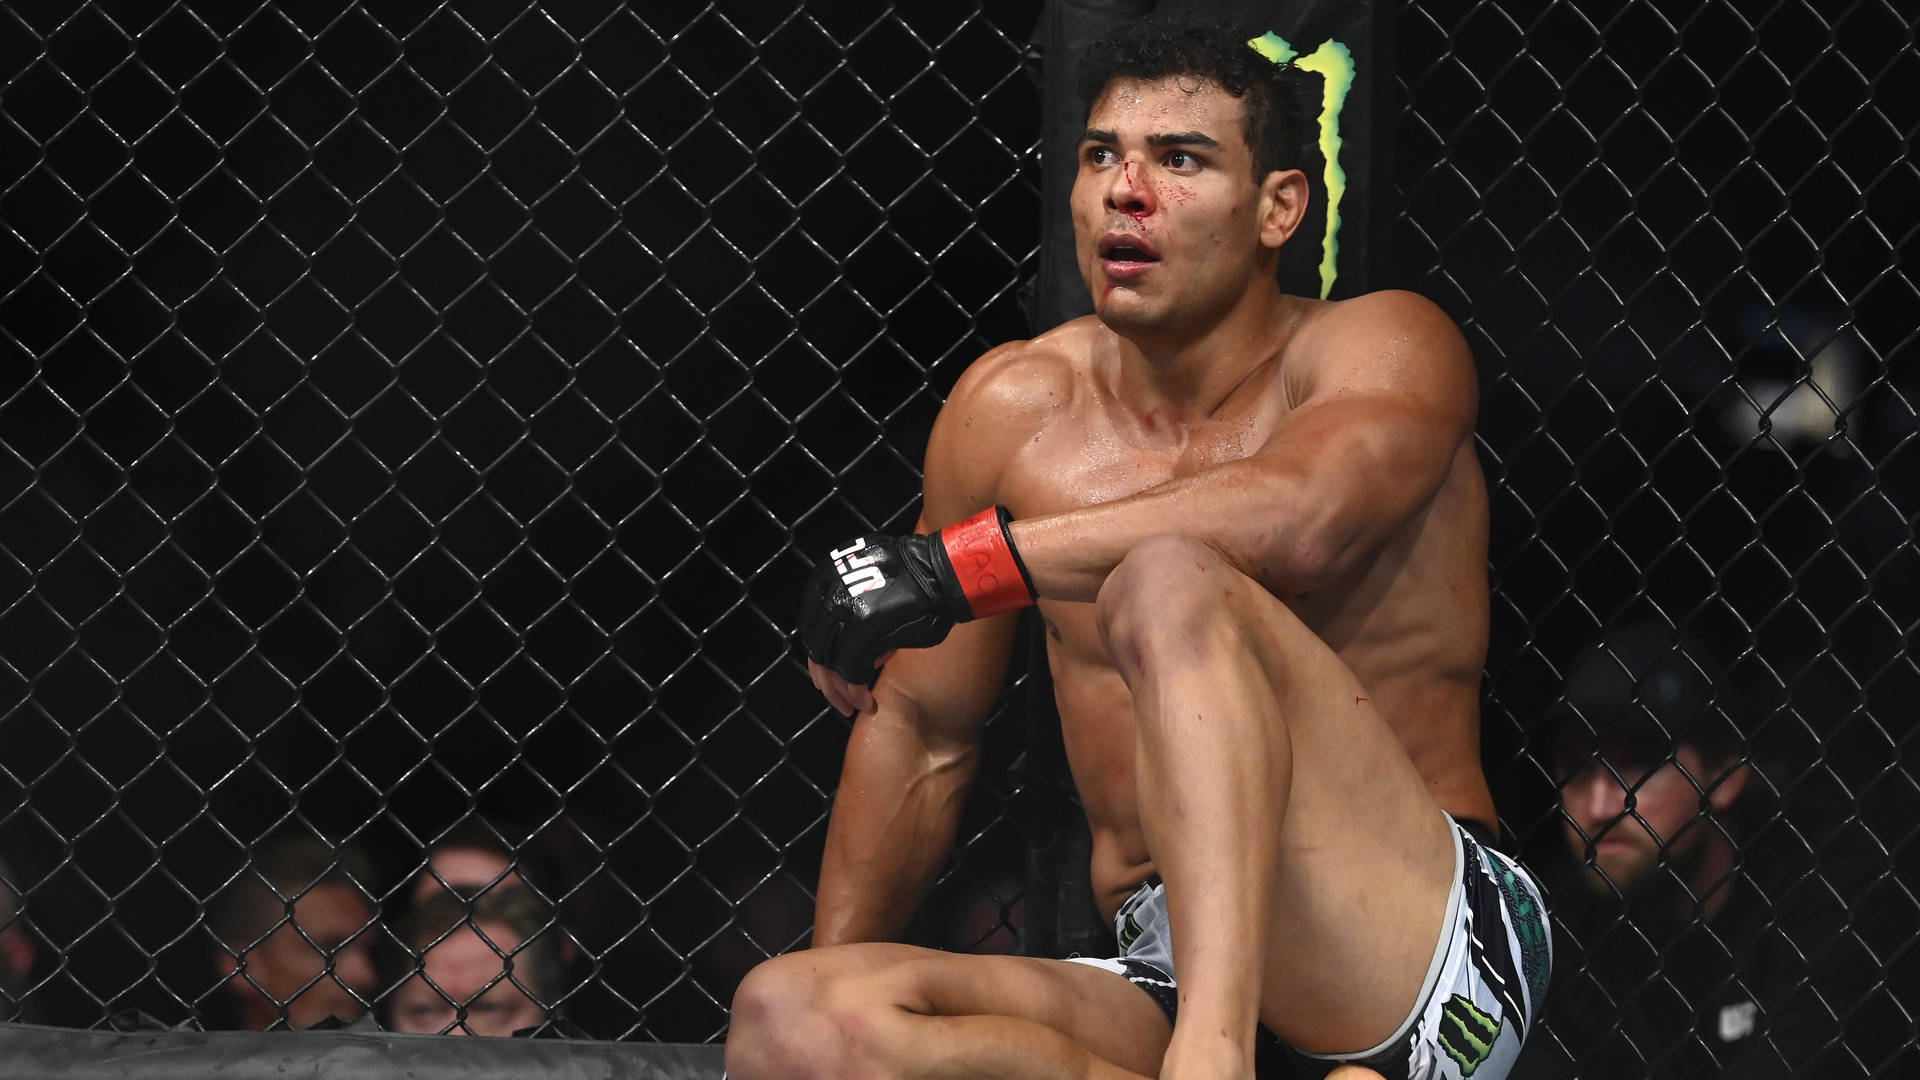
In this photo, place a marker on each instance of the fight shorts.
(1484, 987)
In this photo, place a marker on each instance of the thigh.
(1366, 856)
(1096, 1008)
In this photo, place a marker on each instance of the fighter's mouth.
(1126, 249)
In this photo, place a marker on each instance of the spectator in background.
(16, 949)
(493, 965)
(472, 857)
(595, 913)
(295, 934)
(1694, 938)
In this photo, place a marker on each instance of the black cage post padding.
(1066, 28)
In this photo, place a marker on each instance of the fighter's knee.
(1165, 589)
(795, 1018)
(755, 1050)
(776, 1028)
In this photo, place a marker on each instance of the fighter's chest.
(1111, 462)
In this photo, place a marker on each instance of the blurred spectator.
(1801, 374)
(496, 969)
(16, 949)
(295, 933)
(1649, 771)
(1695, 938)
(473, 857)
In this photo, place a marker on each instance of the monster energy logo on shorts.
(1130, 932)
(1466, 1033)
(1333, 62)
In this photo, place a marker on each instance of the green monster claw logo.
(1467, 1034)
(1130, 933)
(1333, 62)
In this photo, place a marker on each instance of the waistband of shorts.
(1481, 832)
(1141, 894)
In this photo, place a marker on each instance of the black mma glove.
(880, 593)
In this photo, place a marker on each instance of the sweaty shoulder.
(1000, 404)
(1388, 341)
(1021, 382)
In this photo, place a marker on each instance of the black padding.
(66, 1054)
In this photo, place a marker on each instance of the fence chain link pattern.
(422, 414)
(1676, 236)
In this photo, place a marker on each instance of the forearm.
(1254, 516)
(1335, 479)
(894, 819)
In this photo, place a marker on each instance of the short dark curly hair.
(1162, 46)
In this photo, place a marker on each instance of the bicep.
(1369, 448)
(1348, 470)
(1385, 402)
(953, 685)
(997, 408)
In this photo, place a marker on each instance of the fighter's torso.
(1411, 622)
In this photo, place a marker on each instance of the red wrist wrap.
(983, 558)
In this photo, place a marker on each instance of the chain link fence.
(421, 415)
(1679, 238)
(418, 419)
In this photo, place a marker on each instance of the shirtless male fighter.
(1257, 531)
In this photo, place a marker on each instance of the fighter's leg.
(887, 1011)
(1307, 867)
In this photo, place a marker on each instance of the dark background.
(407, 415)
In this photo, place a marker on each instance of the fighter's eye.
(1100, 155)
(1180, 159)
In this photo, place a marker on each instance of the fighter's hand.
(874, 594)
(880, 593)
(849, 698)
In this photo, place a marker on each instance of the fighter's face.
(1169, 225)
(1667, 812)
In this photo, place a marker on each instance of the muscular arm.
(1385, 399)
(915, 744)
(909, 766)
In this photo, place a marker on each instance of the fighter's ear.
(1283, 205)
